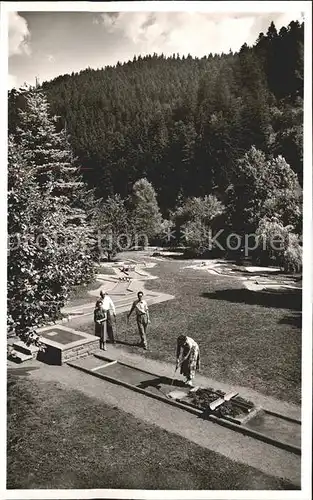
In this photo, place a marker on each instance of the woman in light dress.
(188, 358)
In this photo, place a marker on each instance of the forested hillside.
(182, 122)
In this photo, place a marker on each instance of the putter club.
(164, 394)
(116, 333)
(167, 395)
(174, 376)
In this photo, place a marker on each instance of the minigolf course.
(63, 344)
(122, 286)
(151, 390)
(277, 429)
(253, 278)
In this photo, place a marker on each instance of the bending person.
(188, 358)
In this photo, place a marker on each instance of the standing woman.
(99, 319)
(188, 357)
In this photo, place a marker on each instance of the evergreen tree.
(114, 229)
(49, 156)
(145, 213)
(43, 208)
(47, 151)
(40, 269)
(180, 122)
(288, 140)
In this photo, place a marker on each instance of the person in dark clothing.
(100, 324)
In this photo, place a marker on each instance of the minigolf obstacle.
(273, 428)
(63, 344)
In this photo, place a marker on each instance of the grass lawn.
(247, 338)
(103, 269)
(79, 294)
(63, 439)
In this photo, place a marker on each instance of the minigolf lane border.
(200, 413)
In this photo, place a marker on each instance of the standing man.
(99, 320)
(143, 319)
(109, 308)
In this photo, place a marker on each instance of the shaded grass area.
(281, 299)
(247, 338)
(63, 439)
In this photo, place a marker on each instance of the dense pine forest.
(156, 143)
(182, 122)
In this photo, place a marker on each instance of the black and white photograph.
(157, 239)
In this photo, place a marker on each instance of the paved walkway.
(161, 368)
